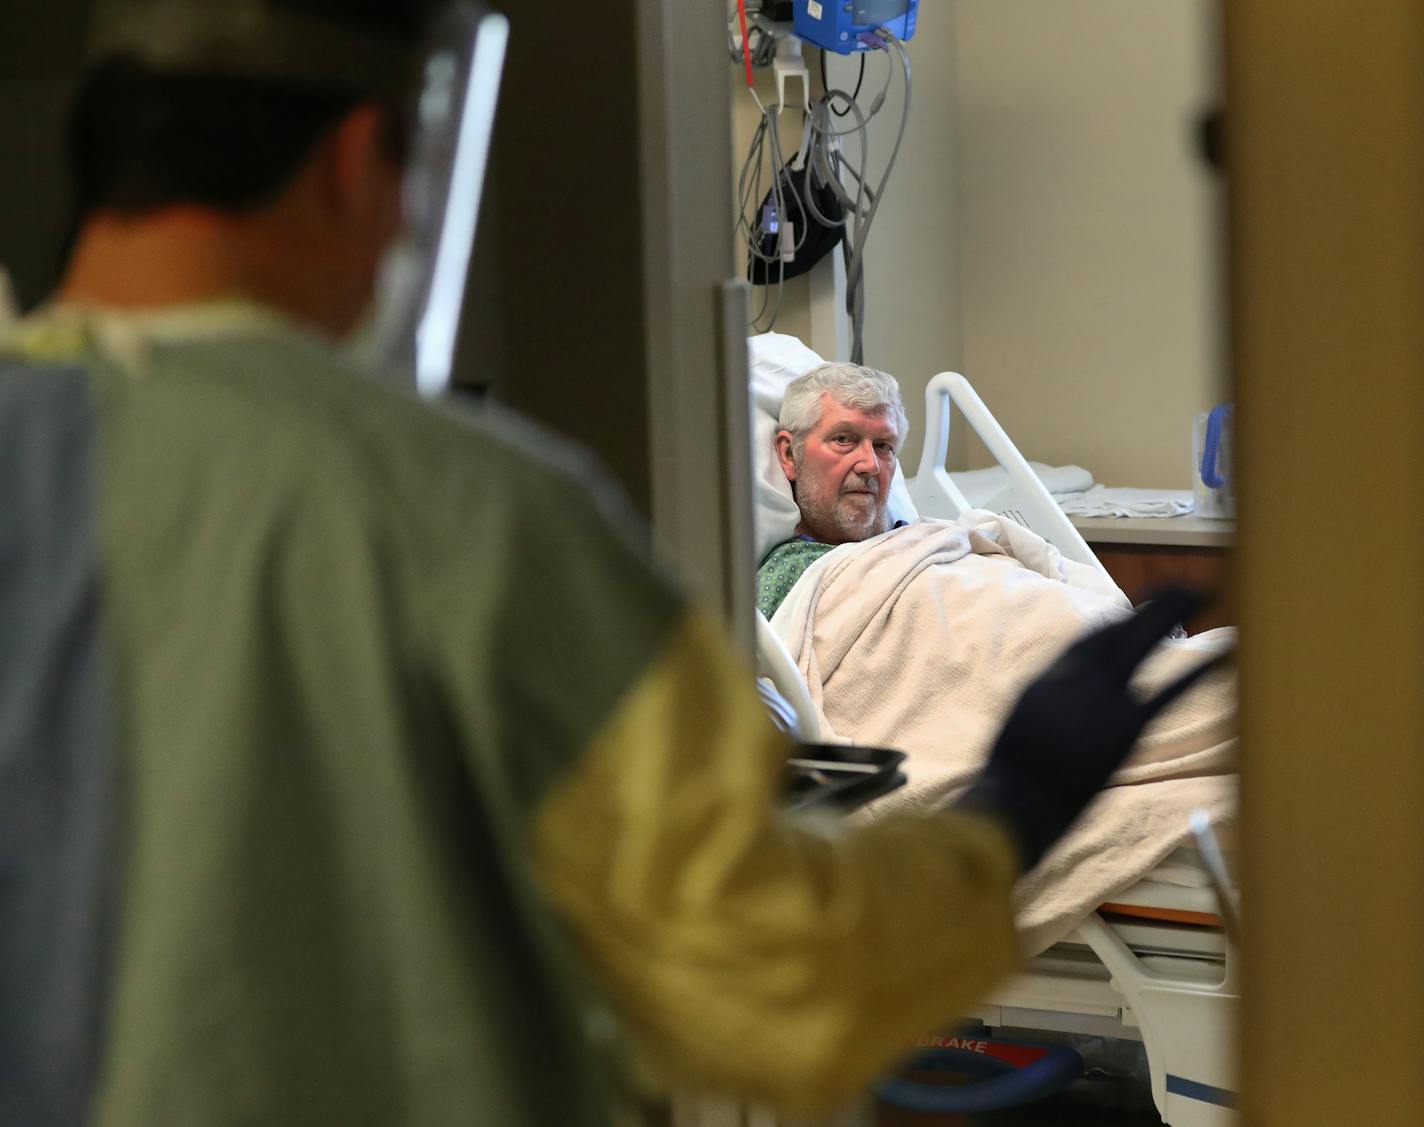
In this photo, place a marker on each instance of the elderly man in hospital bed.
(921, 635)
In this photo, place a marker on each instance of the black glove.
(1073, 727)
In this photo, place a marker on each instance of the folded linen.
(1100, 501)
(978, 486)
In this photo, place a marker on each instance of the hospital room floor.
(1099, 1103)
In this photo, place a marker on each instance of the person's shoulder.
(477, 464)
(537, 469)
(323, 404)
(453, 480)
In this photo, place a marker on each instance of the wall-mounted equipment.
(847, 26)
(792, 213)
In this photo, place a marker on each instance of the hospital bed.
(1156, 964)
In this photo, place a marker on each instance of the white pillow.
(776, 359)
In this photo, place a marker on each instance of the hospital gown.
(351, 760)
(782, 567)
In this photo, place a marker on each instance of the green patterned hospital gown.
(783, 566)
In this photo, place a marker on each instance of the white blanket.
(923, 638)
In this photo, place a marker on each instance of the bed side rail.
(1025, 499)
(775, 663)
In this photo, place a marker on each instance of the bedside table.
(1142, 554)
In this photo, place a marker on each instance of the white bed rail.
(1024, 499)
(1188, 1028)
(775, 663)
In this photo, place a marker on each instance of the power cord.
(755, 221)
(859, 78)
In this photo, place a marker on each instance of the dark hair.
(140, 140)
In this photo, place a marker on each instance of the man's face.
(842, 476)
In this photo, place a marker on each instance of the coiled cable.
(822, 147)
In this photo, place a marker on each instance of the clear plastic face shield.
(449, 90)
(411, 331)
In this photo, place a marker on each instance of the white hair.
(850, 385)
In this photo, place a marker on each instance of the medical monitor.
(846, 26)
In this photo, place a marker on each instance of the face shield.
(439, 64)
(413, 326)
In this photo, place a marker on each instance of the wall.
(1049, 229)
(913, 298)
(568, 262)
(1089, 273)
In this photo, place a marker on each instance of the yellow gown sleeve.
(753, 953)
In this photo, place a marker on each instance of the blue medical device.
(845, 26)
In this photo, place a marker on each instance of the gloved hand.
(1073, 727)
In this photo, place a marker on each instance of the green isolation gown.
(355, 762)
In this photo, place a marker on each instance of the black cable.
(766, 151)
(859, 78)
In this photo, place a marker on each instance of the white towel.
(1100, 501)
(979, 486)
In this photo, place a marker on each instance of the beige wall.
(1089, 273)
(912, 289)
(1049, 229)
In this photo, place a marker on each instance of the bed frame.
(1171, 983)
(1024, 499)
